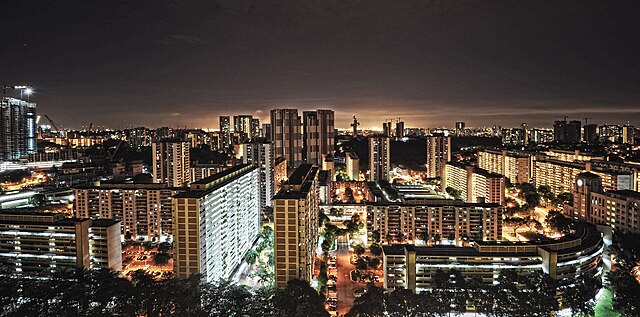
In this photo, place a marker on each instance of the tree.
(455, 193)
(371, 304)
(164, 247)
(374, 263)
(161, 258)
(359, 250)
(251, 257)
(375, 249)
(579, 298)
(375, 236)
(298, 299)
(361, 264)
(622, 280)
(322, 218)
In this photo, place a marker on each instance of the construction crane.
(112, 155)
(53, 124)
(586, 121)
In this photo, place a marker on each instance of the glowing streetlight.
(28, 91)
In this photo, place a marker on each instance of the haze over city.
(156, 63)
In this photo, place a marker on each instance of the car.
(333, 277)
(332, 287)
(332, 299)
(376, 278)
(331, 283)
(358, 292)
(332, 308)
(333, 257)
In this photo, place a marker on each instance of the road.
(345, 287)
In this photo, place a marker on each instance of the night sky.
(175, 63)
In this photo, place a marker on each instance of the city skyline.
(135, 64)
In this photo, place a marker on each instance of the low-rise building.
(414, 267)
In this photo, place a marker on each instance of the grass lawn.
(603, 307)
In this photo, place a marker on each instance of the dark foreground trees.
(104, 293)
(624, 278)
(513, 295)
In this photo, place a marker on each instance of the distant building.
(628, 134)
(352, 166)
(279, 173)
(590, 133)
(143, 210)
(215, 223)
(567, 132)
(515, 166)
(318, 135)
(379, 158)
(475, 184)
(286, 132)
(17, 129)
(460, 128)
(243, 124)
(225, 130)
(399, 130)
(200, 171)
(296, 226)
(439, 220)
(35, 242)
(261, 155)
(610, 132)
(255, 129)
(438, 153)
(386, 129)
(266, 132)
(171, 162)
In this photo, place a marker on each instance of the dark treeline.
(514, 295)
(104, 293)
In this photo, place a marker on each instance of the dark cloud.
(430, 62)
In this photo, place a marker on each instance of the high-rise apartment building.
(17, 128)
(437, 220)
(143, 210)
(286, 133)
(515, 166)
(590, 134)
(399, 130)
(567, 132)
(352, 166)
(379, 158)
(386, 129)
(261, 155)
(475, 184)
(318, 135)
(266, 132)
(215, 223)
(628, 134)
(255, 129)
(171, 162)
(296, 226)
(35, 242)
(560, 176)
(618, 209)
(243, 125)
(460, 128)
(438, 153)
(279, 173)
(225, 131)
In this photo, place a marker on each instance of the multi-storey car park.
(413, 267)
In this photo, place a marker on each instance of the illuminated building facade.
(565, 260)
(215, 223)
(318, 135)
(438, 153)
(286, 133)
(352, 166)
(171, 162)
(448, 221)
(143, 210)
(514, 166)
(261, 155)
(35, 242)
(475, 184)
(17, 128)
(296, 226)
(379, 158)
